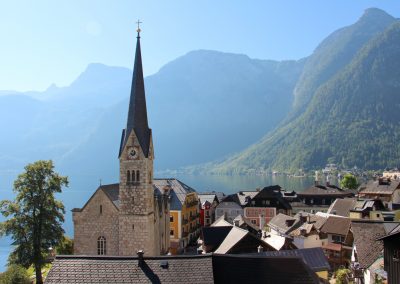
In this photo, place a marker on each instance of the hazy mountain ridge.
(352, 119)
(202, 106)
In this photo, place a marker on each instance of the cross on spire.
(138, 27)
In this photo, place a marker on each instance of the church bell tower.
(136, 193)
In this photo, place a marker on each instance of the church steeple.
(137, 114)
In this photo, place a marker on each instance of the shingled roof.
(208, 268)
(109, 269)
(336, 225)
(365, 234)
(322, 190)
(342, 207)
(386, 186)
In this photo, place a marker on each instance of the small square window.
(171, 218)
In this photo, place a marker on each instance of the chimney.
(316, 178)
(262, 221)
(260, 249)
(327, 181)
(140, 254)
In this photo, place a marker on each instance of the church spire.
(137, 114)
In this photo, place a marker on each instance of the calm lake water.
(83, 186)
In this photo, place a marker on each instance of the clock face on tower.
(132, 153)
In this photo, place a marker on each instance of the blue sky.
(47, 41)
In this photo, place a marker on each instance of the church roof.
(178, 191)
(206, 268)
(112, 192)
(137, 114)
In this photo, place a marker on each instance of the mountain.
(334, 53)
(351, 119)
(200, 108)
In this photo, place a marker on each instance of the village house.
(184, 219)
(303, 229)
(338, 241)
(225, 238)
(232, 205)
(384, 189)
(208, 203)
(367, 253)
(318, 198)
(265, 205)
(391, 244)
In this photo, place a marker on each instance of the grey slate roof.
(365, 234)
(112, 191)
(313, 257)
(208, 268)
(342, 207)
(178, 192)
(279, 222)
(94, 269)
(137, 114)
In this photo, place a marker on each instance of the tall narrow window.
(128, 176)
(133, 176)
(101, 209)
(137, 176)
(101, 246)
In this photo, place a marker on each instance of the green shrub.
(15, 274)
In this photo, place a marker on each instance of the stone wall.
(90, 224)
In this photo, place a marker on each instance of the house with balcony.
(184, 213)
(337, 239)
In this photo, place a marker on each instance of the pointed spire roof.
(137, 114)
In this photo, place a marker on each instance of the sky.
(46, 41)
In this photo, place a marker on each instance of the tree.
(66, 246)
(35, 216)
(15, 274)
(349, 181)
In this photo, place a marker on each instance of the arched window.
(101, 246)
(137, 176)
(128, 176)
(133, 176)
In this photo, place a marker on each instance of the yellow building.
(184, 213)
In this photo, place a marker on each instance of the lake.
(83, 186)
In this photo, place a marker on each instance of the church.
(132, 215)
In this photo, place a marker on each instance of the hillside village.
(149, 229)
(144, 229)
